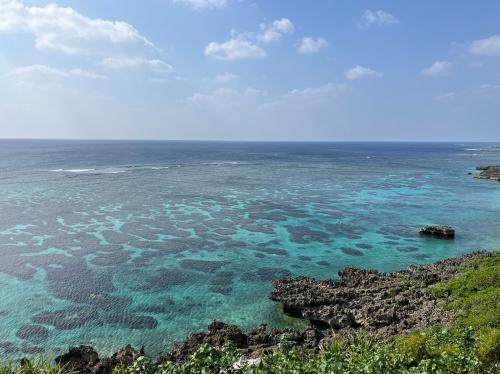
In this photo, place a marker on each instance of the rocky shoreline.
(382, 304)
(489, 172)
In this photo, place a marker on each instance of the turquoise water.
(109, 243)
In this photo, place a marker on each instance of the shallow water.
(109, 243)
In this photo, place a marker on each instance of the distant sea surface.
(115, 242)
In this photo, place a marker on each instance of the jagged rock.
(84, 360)
(254, 342)
(79, 359)
(442, 232)
(384, 304)
(489, 172)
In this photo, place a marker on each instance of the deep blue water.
(108, 243)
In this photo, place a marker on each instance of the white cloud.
(438, 69)
(222, 96)
(254, 92)
(44, 71)
(234, 49)
(486, 47)
(361, 71)
(490, 87)
(273, 32)
(378, 18)
(315, 93)
(203, 4)
(311, 45)
(225, 78)
(245, 45)
(155, 65)
(446, 96)
(64, 29)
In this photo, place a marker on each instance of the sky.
(250, 70)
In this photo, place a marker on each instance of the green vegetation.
(433, 351)
(475, 293)
(30, 367)
(472, 345)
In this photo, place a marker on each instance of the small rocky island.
(441, 232)
(489, 172)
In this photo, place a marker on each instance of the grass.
(475, 293)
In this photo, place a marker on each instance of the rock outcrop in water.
(383, 304)
(253, 343)
(489, 172)
(441, 232)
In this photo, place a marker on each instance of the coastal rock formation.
(383, 304)
(489, 172)
(254, 342)
(441, 232)
(84, 360)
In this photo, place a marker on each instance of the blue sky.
(250, 70)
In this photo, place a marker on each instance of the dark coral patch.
(8, 348)
(223, 278)
(264, 229)
(267, 216)
(76, 282)
(407, 249)
(162, 279)
(266, 274)
(234, 244)
(66, 319)
(110, 258)
(156, 309)
(203, 265)
(351, 251)
(131, 321)
(364, 246)
(304, 235)
(273, 251)
(222, 282)
(32, 332)
(116, 237)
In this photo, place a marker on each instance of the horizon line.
(250, 140)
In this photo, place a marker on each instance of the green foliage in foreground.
(433, 351)
(31, 367)
(475, 292)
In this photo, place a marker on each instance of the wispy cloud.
(311, 45)
(377, 18)
(234, 49)
(445, 96)
(361, 71)
(154, 65)
(438, 69)
(223, 78)
(486, 47)
(323, 92)
(203, 4)
(44, 71)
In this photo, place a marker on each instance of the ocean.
(144, 242)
